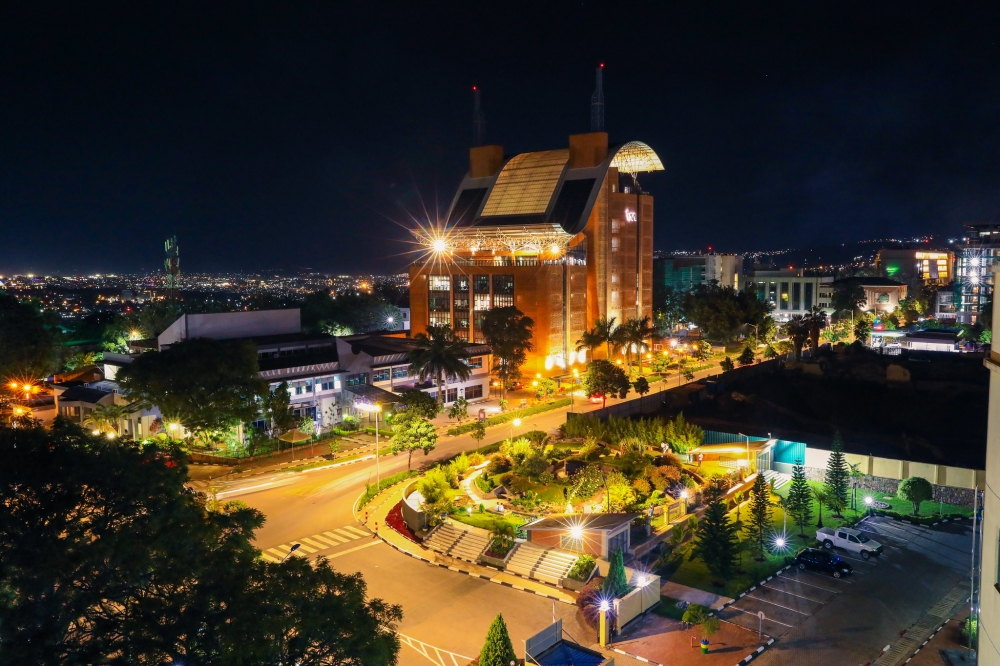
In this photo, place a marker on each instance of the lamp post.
(516, 423)
(294, 548)
(365, 407)
(604, 608)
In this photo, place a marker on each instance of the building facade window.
(474, 392)
(380, 375)
(460, 303)
(476, 362)
(784, 296)
(330, 384)
(439, 300)
(480, 304)
(615, 243)
(400, 372)
(503, 291)
(808, 296)
(452, 395)
(358, 379)
(796, 295)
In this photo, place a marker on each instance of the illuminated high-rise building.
(565, 235)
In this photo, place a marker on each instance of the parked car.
(816, 559)
(597, 398)
(849, 539)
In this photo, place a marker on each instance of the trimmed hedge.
(919, 520)
(372, 490)
(506, 417)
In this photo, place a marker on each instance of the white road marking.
(455, 659)
(331, 535)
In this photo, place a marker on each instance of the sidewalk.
(379, 508)
(693, 595)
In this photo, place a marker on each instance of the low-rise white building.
(791, 292)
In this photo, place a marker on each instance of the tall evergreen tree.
(497, 650)
(800, 498)
(759, 520)
(838, 474)
(616, 584)
(717, 539)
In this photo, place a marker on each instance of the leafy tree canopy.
(604, 378)
(722, 312)
(411, 432)
(126, 567)
(204, 384)
(422, 404)
(916, 490)
(346, 314)
(27, 345)
(508, 333)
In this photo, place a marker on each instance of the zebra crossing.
(316, 543)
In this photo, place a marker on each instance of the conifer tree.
(497, 650)
(759, 521)
(616, 584)
(838, 473)
(717, 539)
(800, 498)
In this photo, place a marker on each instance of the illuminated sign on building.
(631, 216)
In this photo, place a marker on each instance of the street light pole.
(378, 474)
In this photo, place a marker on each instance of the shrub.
(546, 478)
(642, 486)
(517, 450)
(586, 482)
(536, 437)
(373, 490)
(499, 463)
(461, 463)
(532, 465)
(589, 599)
(582, 567)
(485, 483)
(476, 459)
(433, 485)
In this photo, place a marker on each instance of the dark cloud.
(267, 135)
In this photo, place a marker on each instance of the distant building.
(931, 340)
(935, 267)
(683, 272)
(326, 376)
(973, 278)
(597, 534)
(882, 295)
(944, 304)
(792, 293)
(564, 235)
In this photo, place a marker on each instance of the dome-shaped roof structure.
(636, 157)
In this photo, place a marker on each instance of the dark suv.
(821, 560)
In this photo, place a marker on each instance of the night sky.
(273, 137)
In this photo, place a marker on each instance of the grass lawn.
(668, 608)
(487, 520)
(926, 508)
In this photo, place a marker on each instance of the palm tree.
(822, 498)
(797, 329)
(605, 332)
(816, 321)
(106, 418)
(437, 355)
(636, 333)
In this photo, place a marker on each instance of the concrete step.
(780, 479)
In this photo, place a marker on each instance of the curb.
(929, 638)
(475, 575)
(635, 656)
(756, 653)
(746, 592)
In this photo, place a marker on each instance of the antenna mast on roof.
(597, 103)
(478, 120)
(172, 263)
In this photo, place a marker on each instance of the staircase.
(457, 540)
(780, 478)
(544, 564)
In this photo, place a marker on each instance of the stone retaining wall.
(880, 484)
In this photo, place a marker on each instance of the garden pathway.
(692, 595)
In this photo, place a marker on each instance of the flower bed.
(395, 520)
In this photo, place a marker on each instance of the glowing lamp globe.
(604, 607)
(439, 245)
(576, 532)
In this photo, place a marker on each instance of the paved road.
(820, 620)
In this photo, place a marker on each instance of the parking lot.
(818, 619)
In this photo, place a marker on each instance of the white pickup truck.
(848, 539)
